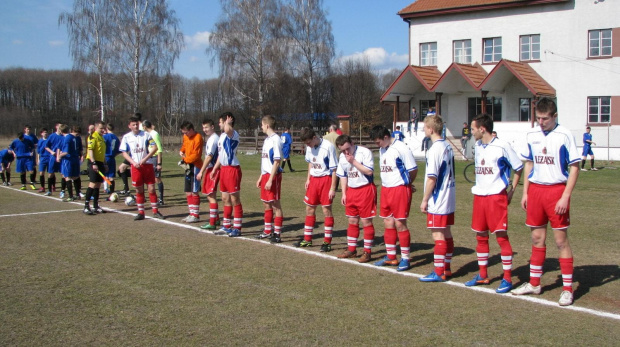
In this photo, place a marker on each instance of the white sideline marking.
(529, 298)
(31, 213)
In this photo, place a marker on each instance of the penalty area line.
(35, 213)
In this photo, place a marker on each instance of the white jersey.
(551, 153)
(138, 146)
(272, 150)
(211, 149)
(355, 178)
(494, 162)
(322, 159)
(440, 165)
(396, 161)
(227, 149)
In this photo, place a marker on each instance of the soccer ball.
(130, 201)
(114, 197)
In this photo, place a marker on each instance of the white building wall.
(563, 30)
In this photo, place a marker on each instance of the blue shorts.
(53, 165)
(24, 164)
(192, 185)
(587, 150)
(70, 167)
(44, 164)
(286, 152)
(111, 162)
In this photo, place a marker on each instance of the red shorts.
(361, 202)
(209, 186)
(395, 202)
(230, 179)
(439, 221)
(490, 213)
(318, 191)
(272, 194)
(144, 175)
(541, 201)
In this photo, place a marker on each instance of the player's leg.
(369, 238)
(506, 255)
(328, 228)
(566, 265)
(153, 196)
(390, 235)
(308, 227)
(267, 219)
(439, 256)
(482, 254)
(537, 259)
(353, 233)
(139, 194)
(278, 221)
(228, 211)
(237, 212)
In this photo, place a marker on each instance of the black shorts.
(94, 176)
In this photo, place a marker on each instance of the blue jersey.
(32, 139)
(22, 148)
(112, 145)
(43, 154)
(6, 156)
(587, 137)
(80, 145)
(54, 142)
(398, 135)
(70, 146)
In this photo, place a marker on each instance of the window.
(492, 50)
(425, 105)
(493, 109)
(599, 109)
(525, 109)
(462, 51)
(530, 47)
(428, 54)
(599, 43)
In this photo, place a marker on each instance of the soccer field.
(71, 279)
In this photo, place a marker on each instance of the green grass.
(70, 279)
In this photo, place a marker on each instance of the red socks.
(238, 210)
(268, 220)
(308, 227)
(482, 251)
(390, 243)
(506, 253)
(566, 268)
(353, 232)
(329, 227)
(369, 238)
(536, 264)
(441, 248)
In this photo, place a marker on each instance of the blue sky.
(31, 38)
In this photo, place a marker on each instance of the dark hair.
(379, 132)
(306, 134)
(485, 121)
(110, 127)
(208, 122)
(226, 115)
(138, 115)
(76, 129)
(546, 106)
(64, 128)
(133, 119)
(20, 136)
(187, 125)
(42, 130)
(342, 139)
(147, 124)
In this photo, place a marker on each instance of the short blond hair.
(434, 122)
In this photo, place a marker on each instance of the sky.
(30, 36)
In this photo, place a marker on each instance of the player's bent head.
(546, 106)
(64, 128)
(110, 127)
(187, 125)
(435, 123)
(485, 121)
(342, 139)
(379, 132)
(307, 134)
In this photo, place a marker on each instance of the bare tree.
(245, 42)
(89, 36)
(311, 43)
(147, 40)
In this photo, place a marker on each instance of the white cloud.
(18, 42)
(194, 59)
(55, 43)
(379, 58)
(198, 40)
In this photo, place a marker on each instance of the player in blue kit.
(587, 150)
(287, 142)
(23, 148)
(112, 149)
(43, 159)
(52, 146)
(69, 159)
(6, 158)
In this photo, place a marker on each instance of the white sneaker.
(566, 298)
(192, 219)
(584, 170)
(185, 219)
(594, 169)
(526, 288)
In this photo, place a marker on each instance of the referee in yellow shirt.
(95, 160)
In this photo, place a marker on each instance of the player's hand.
(331, 195)
(524, 202)
(509, 195)
(258, 183)
(562, 206)
(424, 206)
(199, 176)
(212, 175)
(343, 200)
(349, 157)
(307, 184)
(268, 185)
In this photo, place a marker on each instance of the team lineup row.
(551, 168)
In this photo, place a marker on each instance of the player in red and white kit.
(552, 169)
(398, 171)
(494, 160)
(209, 186)
(230, 175)
(270, 181)
(359, 194)
(138, 148)
(439, 201)
(320, 186)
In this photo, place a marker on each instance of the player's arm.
(344, 182)
(91, 155)
(216, 167)
(515, 181)
(274, 171)
(527, 168)
(562, 205)
(428, 190)
(308, 178)
(152, 150)
(228, 128)
(203, 169)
